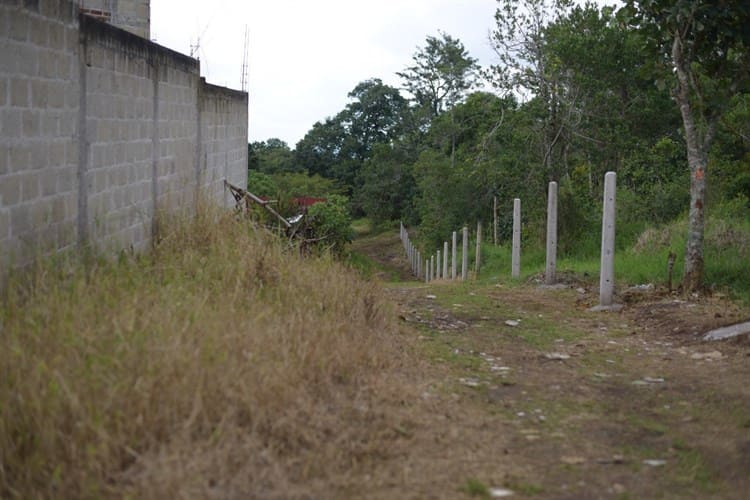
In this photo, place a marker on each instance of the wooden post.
(550, 269)
(454, 258)
(478, 258)
(419, 264)
(465, 255)
(437, 266)
(516, 252)
(607, 273)
(445, 260)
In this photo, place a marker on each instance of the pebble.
(708, 356)
(500, 493)
(655, 462)
(558, 356)
(511, 322)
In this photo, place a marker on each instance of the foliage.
(331, 224)
(261, 184)
(441, 74)
(574, 98)
(271, 156)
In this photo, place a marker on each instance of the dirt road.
(523, 391)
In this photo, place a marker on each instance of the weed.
(475, 488)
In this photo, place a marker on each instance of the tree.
(271, 156)
(442, 73)
(338, 147)
(525, 67)
(707, 44)
(375, 115)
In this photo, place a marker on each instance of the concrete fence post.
(516, 253)
(550, 269)
(454, 257)
(465, 254)
(445, 260)
(607, 273)
(437, 265)
(478, 258)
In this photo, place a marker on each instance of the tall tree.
(707, 45)
(524, 67)
(271, 156)
(442, 73)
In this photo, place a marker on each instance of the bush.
(331, 224)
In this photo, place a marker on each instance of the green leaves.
(441, 74)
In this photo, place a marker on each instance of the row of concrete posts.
(435, 266)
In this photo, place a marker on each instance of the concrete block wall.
(100, 130)
(223, 135)
(39, 105)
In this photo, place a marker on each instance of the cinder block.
(39, 93)
(19, 157)
(19, 28)
(10, 123)
(39, 154)
(20, 220)
(30, 124)
(10, 190)
(4, 227)
(4, 162)
(19, 92)
(49, 183)
(38, 29)
(30, 186)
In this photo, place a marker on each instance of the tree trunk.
(697, 152)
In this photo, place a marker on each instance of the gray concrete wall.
(101, 130)
(39, 105)
(224, 139)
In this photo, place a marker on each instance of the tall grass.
(220, 364)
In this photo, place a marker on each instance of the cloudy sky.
(306, 55)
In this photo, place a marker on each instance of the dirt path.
(525, 390)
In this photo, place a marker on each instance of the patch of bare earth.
(523, 388)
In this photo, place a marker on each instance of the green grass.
(475, 488)
(727, 256)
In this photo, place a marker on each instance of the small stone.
(708, 356)
(572, 460)
(432, 297)
(580, 290)
(654, 462)
(500, 493)
(511, 322)
(557, 356)
(652, 380)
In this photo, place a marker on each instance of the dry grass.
(218, 365)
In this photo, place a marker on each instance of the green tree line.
(656, 91)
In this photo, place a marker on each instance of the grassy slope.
(219, 364)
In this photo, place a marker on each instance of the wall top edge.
(94, 30)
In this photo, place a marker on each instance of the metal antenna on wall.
(243, 78)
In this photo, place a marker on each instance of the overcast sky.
(305, 56)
